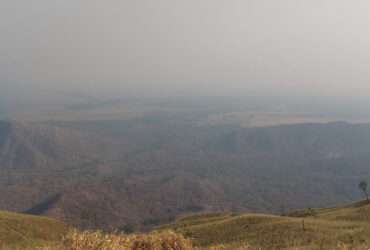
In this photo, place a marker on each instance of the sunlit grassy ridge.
(359, 211)
(346, 227)
(338, 228)
(18, 231)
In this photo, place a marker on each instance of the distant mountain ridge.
(122, 174)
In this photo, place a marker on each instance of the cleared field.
(267, 119)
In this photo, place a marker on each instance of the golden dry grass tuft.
(168, 240)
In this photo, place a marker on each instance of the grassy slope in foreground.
(19, 231)
(346, 227)
(330, 228)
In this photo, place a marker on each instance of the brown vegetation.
(89, 240)
(135, 175)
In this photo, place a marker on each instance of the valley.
(135, 174)
(184, 125)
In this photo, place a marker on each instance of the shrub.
(76, 240)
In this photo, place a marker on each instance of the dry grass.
(169, 240)
(20, 231)
(340, 228)
(340, 246)
(76, 240)
(266, 232)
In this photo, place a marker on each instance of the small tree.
(363, 187)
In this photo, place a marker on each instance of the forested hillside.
(145, 171)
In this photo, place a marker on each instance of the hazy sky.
(173, 47)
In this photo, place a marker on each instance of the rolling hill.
(344, 227)
(20, 231)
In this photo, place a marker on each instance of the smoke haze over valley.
(176, 48)
(124, 115)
